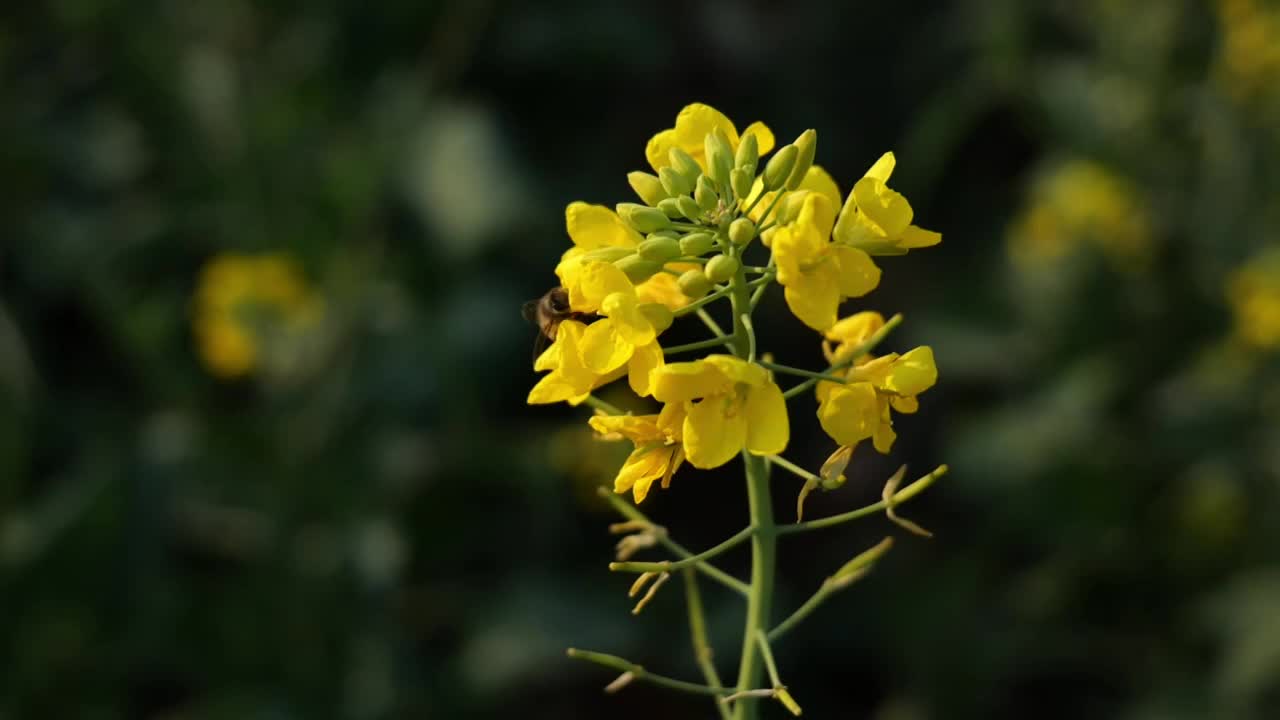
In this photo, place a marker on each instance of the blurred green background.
(338, 505)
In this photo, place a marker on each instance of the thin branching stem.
(900, 497)
(856, 353)
(698, 631)
(669, 565)
(639, 673)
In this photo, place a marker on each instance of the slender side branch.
(899, 498)
(639, 673)
(698, 630)
(668, 565)
(779, 690)
(712, 325)
(759, 291)
(629, 511)
(702, 302)
(788, 370)
(603, 406)
(700, 345)
(848, 574)
(857, 352)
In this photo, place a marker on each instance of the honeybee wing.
(529, 311)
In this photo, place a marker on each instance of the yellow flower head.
(569, 379)
(1253, 292)
(877, 219)
(598, 228)
(739, 407)
(252, 308)
(816, 273)
(693, 124)
(860, 409)
(815, 180)
(658, 451)
(850, 332)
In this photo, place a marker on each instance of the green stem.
(704, 301)
(788, 370)
(631, 512)
(603, 406)
(803, 611)
(759, 293)
(668, 565)
(899, 497)
(711, 323)
(791, 467)
(700, 345)
(856, 353)
(763, 541)
(698, 631)
(624, 665)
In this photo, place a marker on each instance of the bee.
(547, 312)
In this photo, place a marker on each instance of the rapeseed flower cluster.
(634, 268)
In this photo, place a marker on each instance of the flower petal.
(714, 432)
(642, 467)
(883, 167)
(738, 370)
(644, 361)
(598, 280)
(684, 381)
(917, 237)
(819, 181)
(695, 122)
(596, 226)
(631, 324)
(851, 413)
(664, 289)
(814, 298)
(604, 348)
(764, 137)
(883, 206)
(857, 273)
(658, 150)
(768, 428)
(913, 373)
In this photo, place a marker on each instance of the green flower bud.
(657, 314)
(607, 254)
(719, 156)
(806, 146)
(706, 194)
(741, 182)
(643, 219)
(647, 186)
(720, 268)
(689, 208)
(675, 182)
(684, 164)
(779, 167)
(789, 207)
(741, 231)
(696, 244)
(670, 207)
(747, 158)
(694, 284)
(637, 268)
(659, 248)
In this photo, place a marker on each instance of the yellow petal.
(596, 226)
(884, 207)
(553, 388)
(916, 237)
(818, 212)
(857, 272)
(604, 348)
(714, 432)
(764, 137)
(883, 167)
(819, 181)
(642, 467)
(658, 150)
(814, 298)
(768, 428)
(913, 373)
(684, 381)
(851, 413)
(663, 289)
(631, 324)
(905, 404)
(883, 438)
(639, 429)
(695, 122)
(598, 280)
(671, 421)
(644, 361)
(855, 329)
(738, 370)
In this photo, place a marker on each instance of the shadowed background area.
(264, 451)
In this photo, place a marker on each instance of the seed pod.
(659, 248)
(644, 219)
(670, 207)
(675, 182)
(720, 268)
(637, 268)
(684, 164)
(696, 244)
(694, 284)
(779, 167)
(706, 194)
(747, 158)
(647, 186)
(741, 231)
(689, 208)
(806, 147)
(740, 181)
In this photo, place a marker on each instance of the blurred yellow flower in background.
(251, 310)
(1249, 55)
(1253, 291)
(1081, 203)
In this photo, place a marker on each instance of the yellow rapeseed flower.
(877, 219)
(249, 309)
(569, 379)
(627, 334)
(816, 273)
(658, 450)
(593, 228)
(739, 407)
(1253, 292)
(693, 124)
